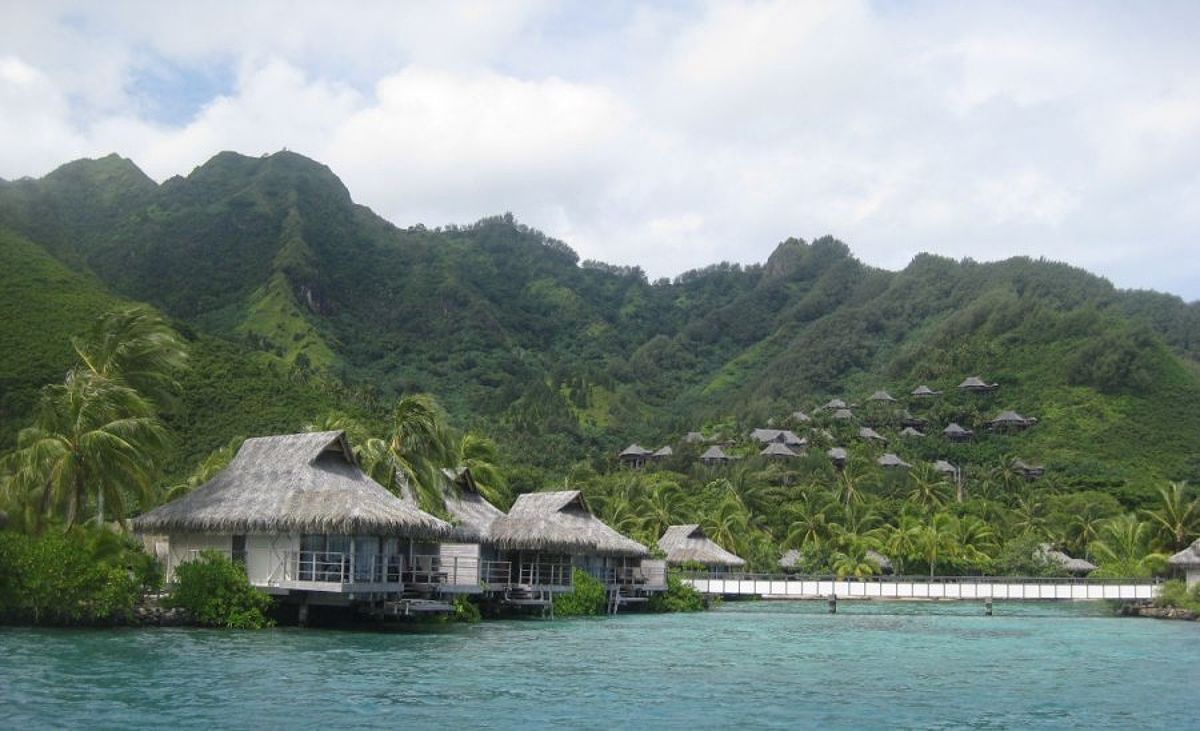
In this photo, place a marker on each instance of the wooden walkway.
(921, 588)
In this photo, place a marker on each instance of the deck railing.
(650, 573)
(342, 568)
(543, 573)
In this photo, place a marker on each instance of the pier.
(995, 588)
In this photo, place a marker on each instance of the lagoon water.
(758, 664)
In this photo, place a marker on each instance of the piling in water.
(833, 603)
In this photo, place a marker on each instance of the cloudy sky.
(669, 135)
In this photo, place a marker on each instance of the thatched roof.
(687, 543)
(836, 403)
(559, 522)
(1012, 418)
(881, 396)
(837, 454)
(800, 416)
(908, 431)
(883, 562)
(1074, 565)
(954, 430)
(1022, 466)
(943, 466)
(694, 437)
(871, 435)
(791, 558)
(890, 460)
(777, 449)
(293, 483)
(843, 414)
(663, 452)
(714, 452)
(1188, 558)
(634, 451)
(975, 383)
(464, 501)
(765, 435)
(924, 390)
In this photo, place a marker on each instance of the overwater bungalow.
(838, 456)
(634, 456)
(1188, 562)
(881, 396)
(843, 415)
(908, 431)
(688, 544)
(1074, 566)
(956, 433)
(1011, 421)
(714, 456)
(890, 461)
(975, 384)
(777, 450)
(1028, 471)
(546, 535)
(297, 512)
(868, 434)
(924, 391)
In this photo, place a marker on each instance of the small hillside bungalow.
(694, 437)
(634, 456)
(956, 433)
(833, 405)
(779, 436)
(883, 396)
(945, 468)
(714, 456)
(868, 434)
(891, 461)
(1028, 471)
(1073, 566)
(800, 417)
(843, 415)
(546, 535)
(661, 453)
(688, 544)
(1011, 421)
(908, 431)
(303, 519)
(1187, 561)
(777, 450)
(907, 419)
(838, 456)
(975, 384)
(924, 391)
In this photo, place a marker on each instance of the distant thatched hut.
(891, 461)
(908, 431)
(924, 391)
(689, 544)
(945, 468)
(1074, 566)
(907, 419)
(881, 396)
(956, 433)
(1028, 471)
(1011, 421)
(777, 450)
(800, 417)
(694, 437)
(780, 436)
(714, 456)
(838, 456)
(546, 535)
(301, 516)
(791, 560)
(661, 453)
(868, 434)
(883, 563)
(833, 405)
(843, 415)
(1188, 561)
(975, 384)
(634, 456)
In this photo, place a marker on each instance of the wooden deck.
(997, 588)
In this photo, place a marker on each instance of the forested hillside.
(300, 303)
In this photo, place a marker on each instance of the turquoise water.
(763, 664)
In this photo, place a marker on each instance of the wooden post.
(303, 617)
(833, 603)
(987, 608)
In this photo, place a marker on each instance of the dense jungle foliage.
(300, 309)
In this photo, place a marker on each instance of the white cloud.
(668, 137)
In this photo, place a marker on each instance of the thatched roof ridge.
(714, 452)
(955, 430)
(843, 414)
(924, 390)
(694, 437)
(1188, 558)
(1074, 565)
(977, 383)
(942, 465)
(663, 452)
(837, 453)
(835, 403)
(467, 505)
(777, 449)
(559, 522)
(791, 558)
(871, 435)
(765, 435)
(881, 396)
(800, 416)
(634, 450)
(908, 431)
(688, 543)
(293, 483)
(891, 460)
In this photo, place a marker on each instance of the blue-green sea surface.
(760, 664)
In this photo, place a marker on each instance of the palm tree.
(929, 488)
(935, 540)
(810, 525)
(1177, 518)
(481, 455)
(136, 347)
(93, 440)
(216, 461)
(409, 461)
(1123, 549)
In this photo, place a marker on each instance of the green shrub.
(79, 577)
(217, 594)
(466, 611)
(679, 597)
(1175, 594)
(587, 600)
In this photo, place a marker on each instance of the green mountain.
(306, 302)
